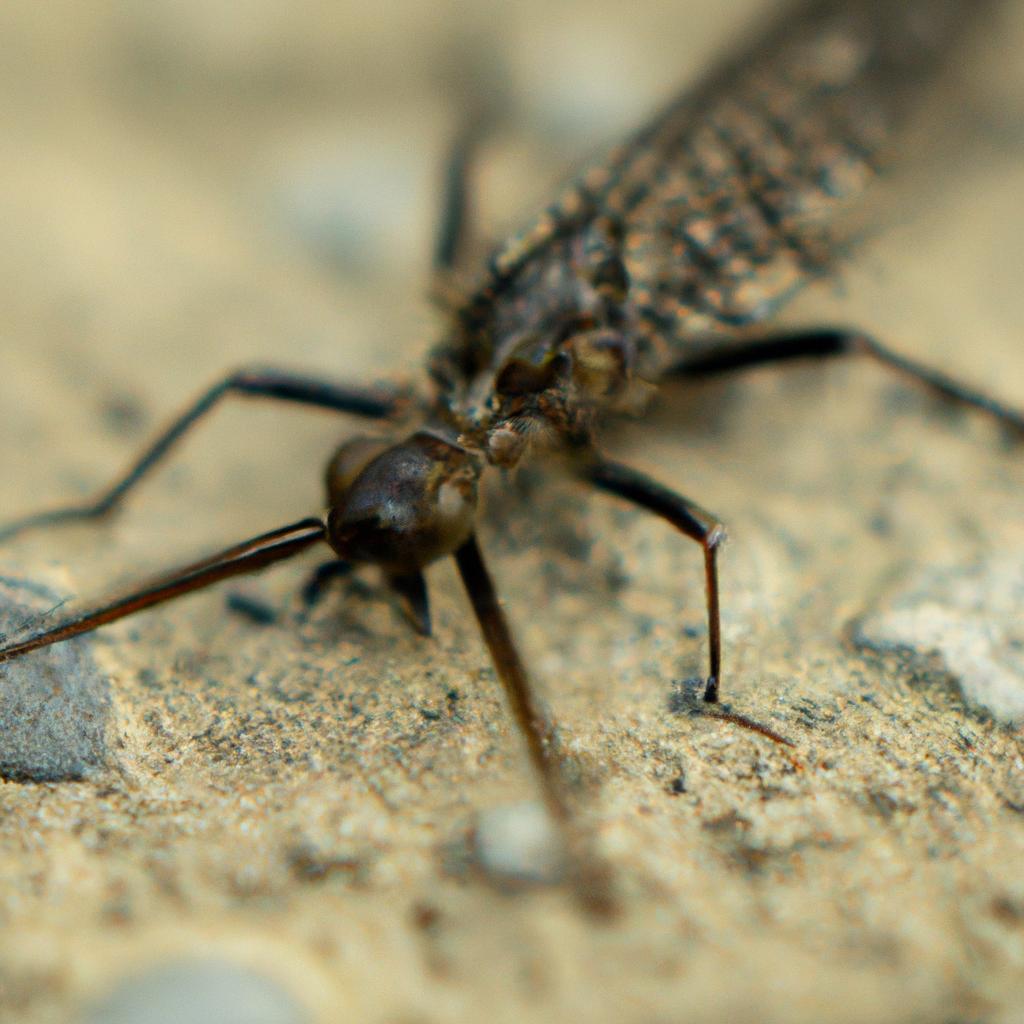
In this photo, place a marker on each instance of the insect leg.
(532, 721)
(248, 556)
(321, 577)
(837, 342)
(687, 517)
(589, 876)
(697, 524)
(263, 383)
(411, 589)
(450, 244)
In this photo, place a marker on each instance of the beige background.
(194, 186)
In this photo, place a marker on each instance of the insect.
(659, 262)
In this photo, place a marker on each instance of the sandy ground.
(288, 806)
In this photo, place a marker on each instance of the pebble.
(518, 843)
(969, 619)
(197, 992)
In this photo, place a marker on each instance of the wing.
(731, 199)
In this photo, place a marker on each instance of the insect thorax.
(537, 354)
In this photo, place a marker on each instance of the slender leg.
(697, 524)
(263, 383)
(590, 877)
(321, 578)
(248, 556)
(837, 342)
(411, 589)
(532, 722)
(450, 244)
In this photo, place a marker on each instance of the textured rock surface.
(298, 796)
(54, 705)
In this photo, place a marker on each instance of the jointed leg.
(588, 875)
(697, 524)
(687, 517)
(321, 577)
(246, 557)
(411, 589)
(285, 387)
(450, 244)
(530, 718)
(836, 342)
(452, 239)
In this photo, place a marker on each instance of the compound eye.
(408, 505)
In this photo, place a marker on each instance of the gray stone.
(54, 703)
(199, 992)
(969, 620)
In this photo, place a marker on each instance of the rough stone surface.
(292, 796)
(54, 704)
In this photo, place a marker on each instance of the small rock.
(197, 992)
(519, 843)
(971, 620)
(54, 703)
